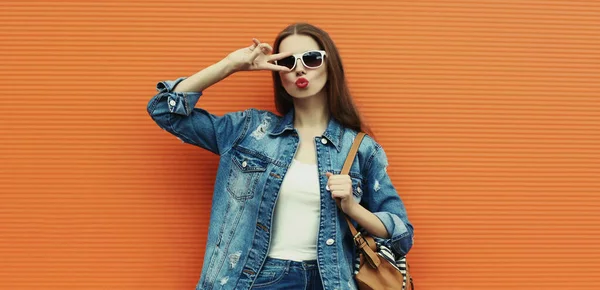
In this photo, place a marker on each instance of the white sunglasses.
(311, 59)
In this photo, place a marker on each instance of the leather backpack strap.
(367, 246)
(352, 153)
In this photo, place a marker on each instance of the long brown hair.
(339, 100)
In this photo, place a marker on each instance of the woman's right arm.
(173, 108)
(206, 77)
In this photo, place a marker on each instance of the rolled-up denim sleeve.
(383, 200)
(175, 112)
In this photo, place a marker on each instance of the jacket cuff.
(181, 103)
(393, 224)
(168, 85)
(400, 240)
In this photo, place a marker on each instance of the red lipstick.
(302, 83)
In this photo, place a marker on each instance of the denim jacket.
(256, 148)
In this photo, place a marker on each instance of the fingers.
(254, 44)
(339, 194)
(274, 67)
(339, 185)
(337, 179)
(333, 184)
(279, 56)
(336, 187)
(257, 51)
(267, 49)
(258, 48)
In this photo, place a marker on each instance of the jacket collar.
(333, 133)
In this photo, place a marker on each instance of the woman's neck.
(311, 114)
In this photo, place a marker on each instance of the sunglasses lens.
(287, 62)
(312, 59)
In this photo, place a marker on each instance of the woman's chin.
(301, 95)
(305, 93)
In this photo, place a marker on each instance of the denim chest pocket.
(357, 186)
(245, 173)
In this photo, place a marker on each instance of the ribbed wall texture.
(489, 112)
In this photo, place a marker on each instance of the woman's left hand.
(340, 187)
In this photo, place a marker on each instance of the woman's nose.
(300, 67)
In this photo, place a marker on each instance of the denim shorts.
(289, 275)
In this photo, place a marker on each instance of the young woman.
(274, 221)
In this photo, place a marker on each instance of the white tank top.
(296, 216)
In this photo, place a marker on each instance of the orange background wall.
(488, 110)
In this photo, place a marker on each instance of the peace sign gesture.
(257, 57)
